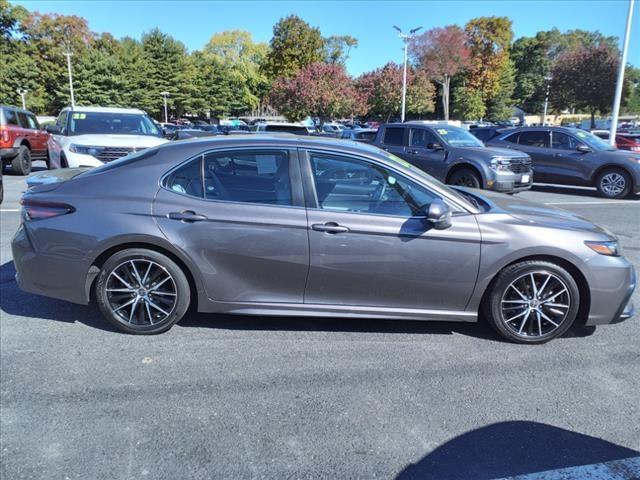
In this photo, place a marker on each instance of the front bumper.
(612, 284)
(7, 153)
(81, 160)
(509, 182)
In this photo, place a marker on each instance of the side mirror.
(434, 146)
(583, 149)
(53, 129)
(439, 214)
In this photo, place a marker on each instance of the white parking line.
(9, 209)
(607, 202)
(627, 469)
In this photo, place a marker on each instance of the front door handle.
(186, 216)
(413, 152)
(329, 227)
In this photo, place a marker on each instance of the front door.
(239, 214)
(420, 152)
(370, 245)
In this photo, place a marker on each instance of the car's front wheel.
(532, 302)
(613, 183)
(142, 291)
(465, 177)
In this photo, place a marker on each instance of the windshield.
(421, 173)
(83, 123)
(457, 137)
(594, 142)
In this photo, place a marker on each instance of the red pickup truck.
(21, 139)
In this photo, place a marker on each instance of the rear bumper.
(7, 153)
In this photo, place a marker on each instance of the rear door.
(536, 144)
(239, 215)
(394, 140)
(420, 152)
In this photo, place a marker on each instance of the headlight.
(611, 249)
(86, 150)
(500, 164)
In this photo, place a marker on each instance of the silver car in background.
(268, 225)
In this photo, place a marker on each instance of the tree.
(584, 78)
(632, 97)
(382, 91)
(338, 48)
(532, 62)
(295, 44)
(468, 103)
(319, 90)
(441, 53)
(500, 106)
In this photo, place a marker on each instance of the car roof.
(17, 109)
(106, 110)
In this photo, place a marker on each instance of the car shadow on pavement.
(509, 449)
(579, 192)
(16, 302)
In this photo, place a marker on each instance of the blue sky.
(193, 22)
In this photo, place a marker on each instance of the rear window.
(286, 128)
(393, 136)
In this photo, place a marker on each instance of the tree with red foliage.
(441, 53)
(318, 90)
(584, 78)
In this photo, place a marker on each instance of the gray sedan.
(310, 226)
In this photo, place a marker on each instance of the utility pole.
(23, 92)
(546, 100)
(623, 64)
(73, 100)
(166, 115)
(405, 38)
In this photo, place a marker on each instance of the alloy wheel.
(141, 292)
(613, 184)
(535, 304)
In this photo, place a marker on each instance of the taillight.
(38, 210)
(4, 135)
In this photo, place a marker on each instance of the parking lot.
(264, 397)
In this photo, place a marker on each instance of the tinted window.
(187, 180)
(421, 137)
(368, 136)
(286, 128)
(562, 141)
(248, 176)
(483, 135)
(62, 120)
(352, 185)
(22, 119)
(513, 138)
(393, 136)
(534, 139)
(10, 117)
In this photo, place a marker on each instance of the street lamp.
(623, 64)
(405, 37)
(547, 79)
(68, 55)
(22, 92)
(166, 115)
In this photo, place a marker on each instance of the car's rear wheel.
(613, 183)
(21, 164)
(465, 177)
(141, 291)
(532, 302)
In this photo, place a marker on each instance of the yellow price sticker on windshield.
(79, 116)
(442, 131)
(581, 134)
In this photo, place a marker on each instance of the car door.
(567, 165)
(394, 140)
(370, 245)
(27, 132)
(420, 152)
(239, 215)
(38, 137)
(536, 144)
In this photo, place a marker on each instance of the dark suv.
(21, 139)
(569, 156)
(452, 155)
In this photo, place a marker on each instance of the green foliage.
(295, 44)
(468, 103)
(338, 48)
(500, 106)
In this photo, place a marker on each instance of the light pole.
(73, 100)
(166, 115)
(23, 92)
(405, 37)
(546, 99)
(623, 64)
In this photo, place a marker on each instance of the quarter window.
(10, 117)
(393, 136)
(353, 185)
(534, 139)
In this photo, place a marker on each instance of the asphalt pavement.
(262, 397)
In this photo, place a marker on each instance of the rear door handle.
(186, 216)
(329, 227)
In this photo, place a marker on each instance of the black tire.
(63, 161)
(1, 191)
(116, 305)
(21, 164)
(614, 183)
(47, 160)
(465, 177)
(524, 328)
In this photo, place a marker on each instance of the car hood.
(492, 151)
(532, 213)
(615, 154)
(102, 140)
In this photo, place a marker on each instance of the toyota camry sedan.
(284, 225)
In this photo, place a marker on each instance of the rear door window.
(22, 120)
(513, 138)
(536, 138)
(393, 136)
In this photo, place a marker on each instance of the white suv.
(91, 136)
